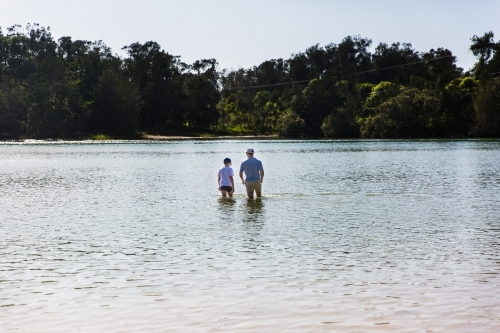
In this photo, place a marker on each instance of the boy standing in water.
(226, 179)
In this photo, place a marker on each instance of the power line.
(357, 73)
(408, 64)
(275, 84)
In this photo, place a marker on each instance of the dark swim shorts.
(226, 188)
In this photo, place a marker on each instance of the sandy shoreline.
(150, 137)
(176, 137)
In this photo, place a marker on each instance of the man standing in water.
(254, 173)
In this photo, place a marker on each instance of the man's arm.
(261, 175)
(242, 179)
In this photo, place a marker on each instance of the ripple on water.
(349, 236)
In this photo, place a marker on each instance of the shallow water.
(350, 236)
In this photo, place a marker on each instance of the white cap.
(249, 150)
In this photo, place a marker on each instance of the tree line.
(70, 88)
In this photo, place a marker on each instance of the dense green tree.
(290, 125)
(488, 53)
(396, 63)
(378, 95)
(117, 105)
(441, 67)
(226, 110)
(13, 110)
(238, 108)
(313, 106)
(299, 67)
(47, 107)
(487, 98)
(202, 95)
(487, 109)
(17, 63)
(55, 106)
(364, 89)
(60, 89)
(88, 61)
(158, 76)
(265, 111)
(341, 122)
(270, 72)
(458, 108)
(412, 113)
(351, 58)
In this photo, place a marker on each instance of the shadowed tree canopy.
(73, 88)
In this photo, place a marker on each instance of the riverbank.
(184, 134)
(180, 137)
(171, 135)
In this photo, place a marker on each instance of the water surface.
(349, 236)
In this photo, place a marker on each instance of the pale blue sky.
(246, 33)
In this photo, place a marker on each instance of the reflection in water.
(253, 221)
(226, 208)
(226, 202)
(253, 210)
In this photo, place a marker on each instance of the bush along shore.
(68, 88)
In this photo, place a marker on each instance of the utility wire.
(357, 73)
(408, 64)
(274, 84)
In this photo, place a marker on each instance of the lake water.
(352, 236)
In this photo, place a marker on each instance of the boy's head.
(227, 161)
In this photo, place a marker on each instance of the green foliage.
(458, 108)
(341, 122)
(67, 88)
(393, 61)
(265, 112)
(381, 93)
(487, 109)
(412, 113)
(12, 110)
(441, 67)
(225, 108)
(313, 105)
(236, 110)
(488, 65)
(55, 107)
(117, 105)
(482, 46)
(290, 125)
(158, 77)
(364, 89)
(202, 95)
(101, 137)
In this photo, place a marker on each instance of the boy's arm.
(232, 182)
(218, 182)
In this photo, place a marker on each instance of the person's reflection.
(253, 222)
(253, 211)
(226, 207)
